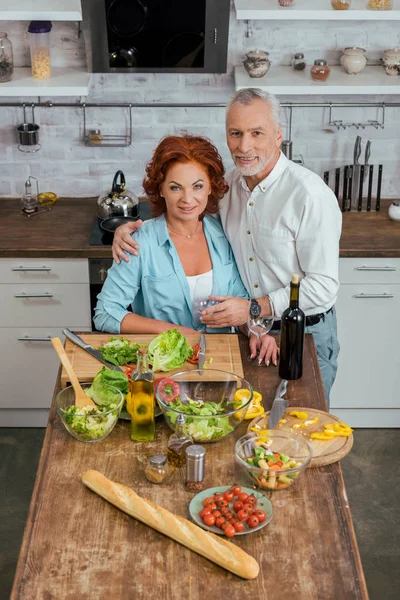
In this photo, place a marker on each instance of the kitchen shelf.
(63, 82)
(318, 10)
(284, 80)
(40, 10)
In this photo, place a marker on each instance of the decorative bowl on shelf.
(353, 60)
(213, 402)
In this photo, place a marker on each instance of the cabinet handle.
(385, 295)
(365, 268)
(43, 295)
(28, 338)
(47, 269)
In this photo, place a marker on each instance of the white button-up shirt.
(290, 223)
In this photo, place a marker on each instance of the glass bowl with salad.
(213, 402)
(90, 424)
(273, 460)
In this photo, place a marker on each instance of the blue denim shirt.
(155, 284)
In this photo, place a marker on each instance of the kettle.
(118, 201)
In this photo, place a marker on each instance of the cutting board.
(222, 348)
(324, 452)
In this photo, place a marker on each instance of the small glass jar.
(341, 4)
(380, 4)
(95, 137)
(298, 62)
(6, 58)
(285, 2)
(320, 70)
(158, 469)
(39, 33)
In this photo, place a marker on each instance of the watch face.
(255, 309)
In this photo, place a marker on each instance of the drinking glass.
(205, 287)
(259, 326)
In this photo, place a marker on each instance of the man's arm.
(123, 241)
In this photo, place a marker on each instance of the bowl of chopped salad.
(90, 424)
(273, 460)
(213, 402)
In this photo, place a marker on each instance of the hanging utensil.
(28, 134)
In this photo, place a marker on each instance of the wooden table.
(77, 546)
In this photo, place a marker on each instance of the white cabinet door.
(369, 360)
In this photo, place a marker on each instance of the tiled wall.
(66, 166)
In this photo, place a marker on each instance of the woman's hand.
(123, 242)
(265, 347)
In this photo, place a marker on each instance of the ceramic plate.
(196, 505)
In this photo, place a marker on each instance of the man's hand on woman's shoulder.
(123, 242)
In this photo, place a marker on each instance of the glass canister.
(341, 4)
(285, 2)
(380, 4)
(6, 58)
(391, 61)
(298, 62)
(320, 70)
(39, 34)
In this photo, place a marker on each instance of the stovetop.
(98, 237)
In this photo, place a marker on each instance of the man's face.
(252, 137)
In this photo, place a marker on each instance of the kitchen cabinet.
(40, 10)
(366, 390)
(38, 298)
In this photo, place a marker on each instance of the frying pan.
(126, 18)
(112, 223)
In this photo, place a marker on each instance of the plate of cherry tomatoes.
(230, 511)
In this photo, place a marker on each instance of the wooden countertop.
(76, 545)
(65, 231)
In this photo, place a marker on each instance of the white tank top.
(200, 286)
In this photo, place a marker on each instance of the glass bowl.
(83, 425)
(295, 454)
(217, 395)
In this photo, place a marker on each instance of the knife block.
(365, 194)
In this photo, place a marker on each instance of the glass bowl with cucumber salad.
(273, 460)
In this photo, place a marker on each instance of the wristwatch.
(255, 309)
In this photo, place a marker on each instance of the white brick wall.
(66, 166)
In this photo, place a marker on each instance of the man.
(280, 219)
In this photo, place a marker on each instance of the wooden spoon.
(81, 399)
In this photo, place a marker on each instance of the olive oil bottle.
(141, 402)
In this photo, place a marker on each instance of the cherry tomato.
(209, 520)
(205, 511)
(261, 516)
(217, 513)
(242, 496)
(229, 515)
(249, 507)
(217, 497)
(208, 501)
(220, 521)
(252, 521)
(229, 531)
(237, 506)
(242, 515)
(224, 509)
(212, 505)
(222, 503)
(236, 490)
(228, 496)
(252, 500)
(238, 525)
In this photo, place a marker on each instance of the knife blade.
(378, 191)
(279, 405)
(202, 353)
(360, 190)
(367, 155)
(371, 177)
(95, 353)
(356, 171)
(344, 196)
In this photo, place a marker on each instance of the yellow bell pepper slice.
(298, 414)
(255, 409)
(311, 421)
(322, 435)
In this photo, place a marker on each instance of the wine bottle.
(293, 322)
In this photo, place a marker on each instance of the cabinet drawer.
(28, 369)
(369, 270)
(48, 304)
(44, 270)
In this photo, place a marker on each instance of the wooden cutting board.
(222, 348)
(324, 452)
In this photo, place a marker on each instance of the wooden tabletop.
(65, 231)
(76, 545)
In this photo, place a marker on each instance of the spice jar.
(39, 33)
(341, 4)
(6, 58)
(95, 137)
(158, 468)
(178, 442)
(298, 62)
(391, 61)
(285, 2)
(380, 4)
(320, 70)
(257, 63)
(195, 461)
(353, 60)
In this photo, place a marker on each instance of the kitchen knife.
(326, 177)
(348, 201)
(279, 405)
(356, 171)
(202, 353)
(367, 155)
(344, 195)
(378, 191)
(337, 182)
(360, 191)
(79, 342)
(370, 180)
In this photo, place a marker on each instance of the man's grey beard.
(262, 164)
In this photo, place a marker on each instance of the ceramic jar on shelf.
(391, 61)
(285, 2)
(257, 63)
(353, 60)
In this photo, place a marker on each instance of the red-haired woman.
(181, 244)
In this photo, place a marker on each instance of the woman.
(184, 183)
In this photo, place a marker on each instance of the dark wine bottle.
(293, 322)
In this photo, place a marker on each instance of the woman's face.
(186, 188)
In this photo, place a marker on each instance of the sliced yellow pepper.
(255, 409)
(322, 435)
(298, 414)
(311, 421)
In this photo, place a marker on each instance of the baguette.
(218, 550)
